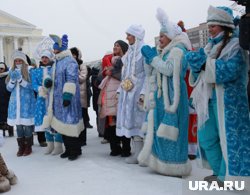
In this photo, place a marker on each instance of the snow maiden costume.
(41, 84)
(64, 110)
(166, 145)
(130, 116)
(21, 108)
(219, 74)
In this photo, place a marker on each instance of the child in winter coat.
(21, 108)
(41, 83)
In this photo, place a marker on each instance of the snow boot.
(58, 149)
(6, 173)
(49, 148)
(138, 144)
(28, 144)
(20, 141)
(4, 184)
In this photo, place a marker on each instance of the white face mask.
(18, 66)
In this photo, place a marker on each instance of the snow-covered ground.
(94, 173)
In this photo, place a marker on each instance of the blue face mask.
(19, 66)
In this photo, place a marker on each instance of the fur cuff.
(170, 169)
(42, 92)
(47, 121)
(169, 132)
(70, 88)
(210, 71)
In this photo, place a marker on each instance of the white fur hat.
(170, 29)
(19, 55)
(47, 54)
(222, 16)
(137, 31)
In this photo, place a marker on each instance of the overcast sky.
(94, 25)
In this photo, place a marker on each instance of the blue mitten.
(67, 99)
(196, 59)
(18, 76)
(148, 53)
(47, 82)
(13, 75)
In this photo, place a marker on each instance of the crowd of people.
(141, 100)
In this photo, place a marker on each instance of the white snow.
(94, 173)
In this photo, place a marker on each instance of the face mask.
(18, 66)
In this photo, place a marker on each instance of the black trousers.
(72, 144)
(41, 137)
(118, 144)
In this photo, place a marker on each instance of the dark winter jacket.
(4, 98)
(95, 89)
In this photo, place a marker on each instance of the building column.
(29, 45)
(15, 43)
(1, 49)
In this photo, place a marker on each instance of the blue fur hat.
(60, 44)
(222, 16)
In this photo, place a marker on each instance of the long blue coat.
(38, 76)
(229, 75)
(21, 110)
(166, 145)
(65, 120)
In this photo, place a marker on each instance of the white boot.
(58, 148)
(49, 148)
(138, 144)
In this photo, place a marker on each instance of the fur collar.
(180, 39)
(63, 54)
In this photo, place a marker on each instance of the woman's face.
(2, 69)
(131, 39)
(163, 41)
(45, 60)
(214, 30)
(117, 50)
(18, 61)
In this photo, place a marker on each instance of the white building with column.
(16, 33)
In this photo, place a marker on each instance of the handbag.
(127, 84)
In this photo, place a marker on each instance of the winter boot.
(65, 154)
(4, 184)
(126, 149)
(11, 131)
(49, 148)
(138, 144)
(58, 149)
(28, 145)
(5, 172)
(20, 141)
(210, 178)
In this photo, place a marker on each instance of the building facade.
(16, 33)
(198, 36)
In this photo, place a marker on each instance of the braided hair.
(226, 38)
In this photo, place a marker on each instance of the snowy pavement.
(94, 173)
